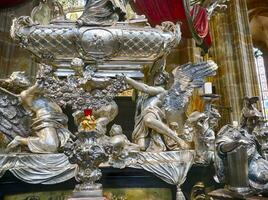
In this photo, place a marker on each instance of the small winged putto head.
(116, 130)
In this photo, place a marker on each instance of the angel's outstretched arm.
(151, 90)
(8, 92)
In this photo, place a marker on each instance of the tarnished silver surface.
(14, 119)
(124, 152)
(250, 114)
(237, 161)
(102, 12)
(88, 150)
(230, 139)
(204, 138)
(82, 92)
(48, 129)
(38, 168)
(172, 166)
(122, 46)
(202, 126)
(90, 54)
(155, 101)
(261, 133)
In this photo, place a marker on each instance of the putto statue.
(203, 137)
(155, 101)
(250, 114)
(48, 129)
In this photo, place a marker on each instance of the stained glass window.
(262, 79)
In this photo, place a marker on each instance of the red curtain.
(200, 20)
(158, 11)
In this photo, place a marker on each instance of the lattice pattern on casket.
(140, 43)
(55, 41)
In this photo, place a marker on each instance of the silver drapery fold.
(38, 168)
(172, 166)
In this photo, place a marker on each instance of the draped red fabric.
(200, 20)
(158, 11)
(10, 3)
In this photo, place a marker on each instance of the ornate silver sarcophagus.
(121, 48)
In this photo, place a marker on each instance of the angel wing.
(186, 78)
(14, 119)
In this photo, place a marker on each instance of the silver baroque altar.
(85, 65)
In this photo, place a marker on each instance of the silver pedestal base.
(87, 192)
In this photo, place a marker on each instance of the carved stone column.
(233, 51)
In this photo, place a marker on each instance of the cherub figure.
(156, 100)
(204, 137)
(48, 130)
(123, 150)
(250, 114)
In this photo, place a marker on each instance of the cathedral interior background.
(133, 99)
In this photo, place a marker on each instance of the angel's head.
(116, 130)
(19, 80)
(161, 78)
(214, 117)
(197, 119)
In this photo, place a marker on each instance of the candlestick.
(235, 124)
(208, 88)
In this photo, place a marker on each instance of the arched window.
(261, 74)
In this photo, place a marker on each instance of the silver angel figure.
(155, 101)
(102, 12)
(250, 114)
(229, 140)
(123, 150)
(203, 137)
(261, 133)
(48, 129)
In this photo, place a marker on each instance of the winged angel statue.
(151, 131)
(29, 119)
